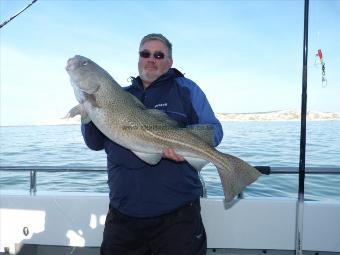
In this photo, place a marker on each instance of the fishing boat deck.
(52, 250)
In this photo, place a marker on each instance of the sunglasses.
(147, 54)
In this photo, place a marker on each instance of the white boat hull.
(252, 223)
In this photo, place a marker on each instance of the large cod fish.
(147, 132)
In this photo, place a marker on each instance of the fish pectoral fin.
(78, 110)
(235, 175)
(197, 163)
(149, 158)
(91, 99)
(91, 89)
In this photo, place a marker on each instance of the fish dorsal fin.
(149, 158)
(163, 117)
(203, 131)
(136, 101)
(197, 163)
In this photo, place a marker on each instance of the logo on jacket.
(161, 105)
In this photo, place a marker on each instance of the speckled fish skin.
(124, 119)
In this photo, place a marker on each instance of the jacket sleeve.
(93, 137)
(202, 108)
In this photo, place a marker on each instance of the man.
(155, 209)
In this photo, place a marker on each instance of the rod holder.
(33, 182)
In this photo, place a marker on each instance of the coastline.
(282, 115)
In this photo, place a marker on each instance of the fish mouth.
(69, 64)
(75, 62)
(72, 63)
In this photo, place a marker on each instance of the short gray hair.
(158, 37)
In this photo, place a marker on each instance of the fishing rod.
(17, 14)
(302, 161)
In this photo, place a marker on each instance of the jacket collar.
(172, 73)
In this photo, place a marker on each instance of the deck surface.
(57, 250)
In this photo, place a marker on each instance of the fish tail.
(235, 175)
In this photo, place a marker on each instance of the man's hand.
(170, 154)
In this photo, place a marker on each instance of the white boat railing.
(266, 170)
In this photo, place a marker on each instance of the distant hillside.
(257, 116)
(277, 115)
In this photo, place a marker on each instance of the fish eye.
(84, 63)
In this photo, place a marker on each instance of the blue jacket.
(141, 190)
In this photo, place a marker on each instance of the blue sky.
(245, 55)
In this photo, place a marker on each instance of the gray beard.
(147, 78)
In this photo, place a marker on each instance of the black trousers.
(178, 233)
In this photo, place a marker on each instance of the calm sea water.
(270, 143)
